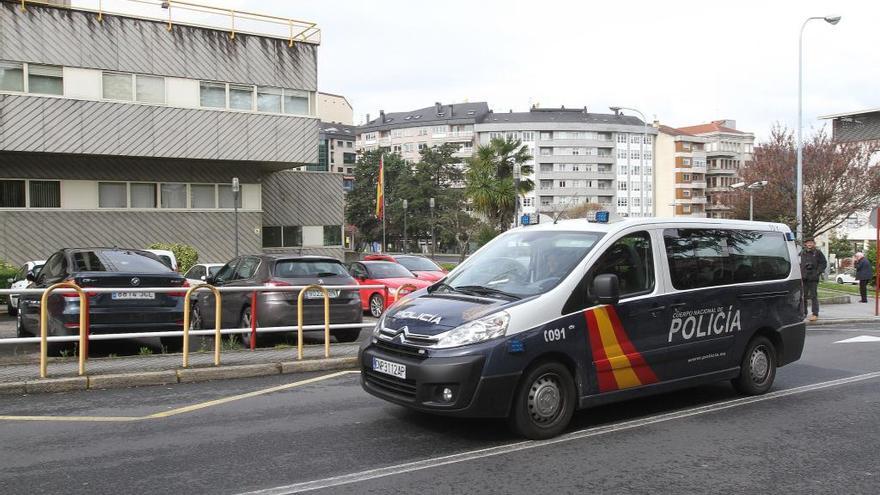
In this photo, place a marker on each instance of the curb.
(187, 375)
(836, 321)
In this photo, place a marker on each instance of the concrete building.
(861, 127)
(334, 109)
(680, 168)
(407, 133)
(578, 157)
(336, 151)
(727, 150)
(118, 131)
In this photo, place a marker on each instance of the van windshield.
(522, 264)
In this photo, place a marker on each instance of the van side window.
(631, 258)
(708, 257)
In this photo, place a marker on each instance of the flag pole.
(383, 203)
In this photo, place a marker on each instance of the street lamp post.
(641, 165)
(751, 188)
(405, 204)
(236, 190)
(831, 19)
(431, 204)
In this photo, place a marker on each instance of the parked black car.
(277, 309)
(116, 312)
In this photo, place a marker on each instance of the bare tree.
(839, 180)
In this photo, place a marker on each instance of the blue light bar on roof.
(602, 216)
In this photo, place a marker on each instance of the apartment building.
(680, 160)
(128, 129)
(727, 150)
(334, 109)
(579, 157)
(336, 150)
(407, 133)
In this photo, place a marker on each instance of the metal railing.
(85, 336)
(184, 13)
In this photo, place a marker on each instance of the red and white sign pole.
(876, 223)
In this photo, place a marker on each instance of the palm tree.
(493, 181)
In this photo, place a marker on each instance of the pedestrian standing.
(813, 265)
(864, 274)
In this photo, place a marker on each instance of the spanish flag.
(380, 189)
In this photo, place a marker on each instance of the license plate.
(316, 294)
(133, 296)
(389, 368)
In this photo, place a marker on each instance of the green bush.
(7, 271)
(186, 255)
(448, 266)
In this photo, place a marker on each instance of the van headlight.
(488, 327)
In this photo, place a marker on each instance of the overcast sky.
(683, 62)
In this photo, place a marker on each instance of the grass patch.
(836, 289)
(145, 351)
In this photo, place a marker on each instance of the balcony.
(458, 136)
(715, 153)
(699, 200)
(722, 171)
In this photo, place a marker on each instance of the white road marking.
(860, 338)
(531, 444)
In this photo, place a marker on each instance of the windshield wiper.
(481, 290)
(449, 288)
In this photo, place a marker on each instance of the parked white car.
(20, 281)
(846, 277)
(167, 257)
(200, 272)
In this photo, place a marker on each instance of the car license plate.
(389, 368)
(133, 296)
(316, 294)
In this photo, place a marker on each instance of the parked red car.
(392, 275)
(423, 268)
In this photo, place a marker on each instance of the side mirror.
(606, 288)
(210, 280)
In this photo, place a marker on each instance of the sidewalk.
(830, 313)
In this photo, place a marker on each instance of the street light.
(236, 188)
(431, 204)
(754, 186)
(641, 165)
(405, 204)
(831, 19)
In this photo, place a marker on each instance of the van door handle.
(678, 305)
(656, 309)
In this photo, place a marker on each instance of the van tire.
(541, 386)
(758, 367)
(347, 334)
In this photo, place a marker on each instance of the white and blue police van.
(550, 318)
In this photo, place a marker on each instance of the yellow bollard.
(44, 326)
(218, 313)
(299, 320)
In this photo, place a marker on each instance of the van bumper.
(793, 337)
(474, 395)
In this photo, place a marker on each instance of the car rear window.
(417, 264)
(309, 268)
(386, 269)
(117, 261)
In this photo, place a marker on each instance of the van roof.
(619, 223)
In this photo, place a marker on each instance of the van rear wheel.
(544, 402)
(758, 367)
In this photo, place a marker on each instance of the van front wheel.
(758, 368)
(544, 402)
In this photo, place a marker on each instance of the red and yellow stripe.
(618, 364)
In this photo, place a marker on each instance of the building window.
(271, 237)
(212, 95)
(349, 144)
(634, 154)
(621, 201)
(173, 195)
(495, 135)
(635, 139)
(349, 158)
(546, 183)
(269, 100)
(686, 193)
(143, 195)
(546, 167)
(621, 138)
(648, 139)
(116, 86)
(546, 136)
(621, 186)
(226, 197)
(621, 153)
(45, 193)
(12, 194)
(291, 236)
(45, 79)
(11, 76)
(528, 136)
(527, 202)
(423, 146)
(562, 183)
(149, 89)
(241, 97)
(203, 196)
(296, 102)
(112, 195)
(546, 151)
(333, 235)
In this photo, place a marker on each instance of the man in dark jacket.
(864, 274)
(813, 265)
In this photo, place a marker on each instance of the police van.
(550, 318)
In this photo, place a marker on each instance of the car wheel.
(377, 305)
(840, 280)
(245, 322)
(175, 344)
(758, 368)
(347, 334)
(544, 402)
(20, 331)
